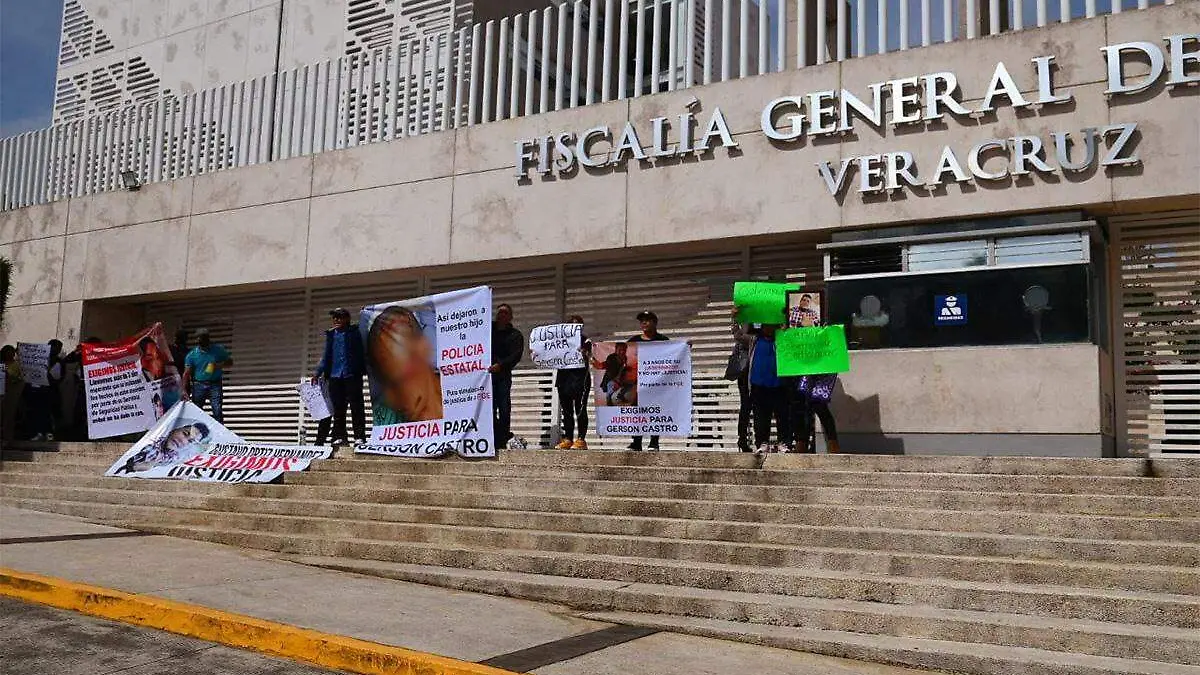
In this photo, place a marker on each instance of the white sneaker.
(37, 438)
(49, 437)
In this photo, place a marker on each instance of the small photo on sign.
(615, 366)
(803, 309)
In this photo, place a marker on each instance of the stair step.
(779, 545)
(1122, 577)
(572, 501)
(734, 523)
(946, 655)
(1173, 645)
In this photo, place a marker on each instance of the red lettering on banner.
(463, 368)
(402, 432)
(452, 353)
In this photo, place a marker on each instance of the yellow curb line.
(235, 630)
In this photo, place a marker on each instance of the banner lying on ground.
(35, 363)
(557, 346)
(189, 444)
(643, 388)
(427, 362)
(129, 383)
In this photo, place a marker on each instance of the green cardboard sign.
(811, 351)
(762, 301)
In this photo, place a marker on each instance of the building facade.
(1006, 219)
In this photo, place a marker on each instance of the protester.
(342, 368)
(179, 349)
(768, 393)
(814, 393)
(649, 324)
(77, 431)
(738, 370)
(573, 385)
(41, 402)
(508, 346)
(203, 373)
(14, 389)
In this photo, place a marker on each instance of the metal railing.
(577, 53)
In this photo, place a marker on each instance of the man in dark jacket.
(508, 346)
(342, 368)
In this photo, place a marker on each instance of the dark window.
(999, 307)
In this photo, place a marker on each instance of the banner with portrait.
(188, 444)
(642, 388)
(130, 383)
(427, 363)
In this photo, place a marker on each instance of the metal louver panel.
(263, 334)
(1157, 258)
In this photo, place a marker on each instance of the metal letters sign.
(896, 103)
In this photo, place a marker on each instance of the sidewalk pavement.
(504, 632)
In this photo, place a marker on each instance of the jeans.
(211, 393)
(573, 405)
(344, 391)
(771, 402)
(501, 409)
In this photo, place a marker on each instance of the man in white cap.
(203, 373)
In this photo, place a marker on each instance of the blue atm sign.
(950, 310)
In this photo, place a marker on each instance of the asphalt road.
(38, 640)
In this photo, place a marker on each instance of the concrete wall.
(451, 197)
(907, 401)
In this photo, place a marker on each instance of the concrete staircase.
(962, 564)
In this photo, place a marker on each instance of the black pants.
(344, 391)
(808, 412)
(502, 409)
(39, 404)
(637, 443)
(573, 405)
(744, 409)
(771, 402)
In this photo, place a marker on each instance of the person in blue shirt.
(769, 393)
(204, 373)
(342, 366)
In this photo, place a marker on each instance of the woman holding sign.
(573, 385)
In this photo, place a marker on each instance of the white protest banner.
(643, 388)
(129, 383)
(427, 361)
(188, 444)
(316, 400)
(35, 363)
(557, 346)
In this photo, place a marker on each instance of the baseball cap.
(647, 314)
(202, 332)
(339, 311)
